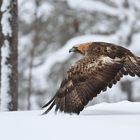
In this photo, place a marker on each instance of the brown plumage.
(102, 66)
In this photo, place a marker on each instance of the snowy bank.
(114, 121)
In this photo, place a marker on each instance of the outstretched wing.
(93, 74)
(88, 77)
(84, 81)
(131, 66)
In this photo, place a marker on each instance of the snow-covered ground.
(114, 121)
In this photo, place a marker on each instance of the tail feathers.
(52, 102)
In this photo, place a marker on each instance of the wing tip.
(51, 106)
(48, 102)
(52, 102)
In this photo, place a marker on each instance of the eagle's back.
(107, 49)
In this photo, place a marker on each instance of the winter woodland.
(46, 31)
(35, 38)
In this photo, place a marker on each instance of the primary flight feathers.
(102, 65)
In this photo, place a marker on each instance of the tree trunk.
(1, 40)
(9, 72)
(127, 87)
(32, 54)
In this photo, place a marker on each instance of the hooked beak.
(73, 49)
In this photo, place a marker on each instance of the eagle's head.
(81, 48)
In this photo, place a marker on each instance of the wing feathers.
(132, 66)
(50, 107)
(78, 89)
(89, 76)
(124, 71)
(49, 102)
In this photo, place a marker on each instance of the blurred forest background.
(48, 28)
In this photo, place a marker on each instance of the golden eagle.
(102, 65)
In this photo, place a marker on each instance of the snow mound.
(100, 122)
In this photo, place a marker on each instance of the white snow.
(5, 50)
(117, 121)
(5, 73)
(6, 16)
(5, 5)
(93, 6)
(135, 46)
(44, 10)
(29, 9)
